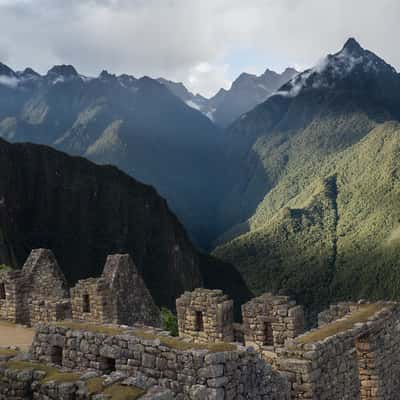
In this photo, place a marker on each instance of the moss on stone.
(95, 385)
(121, 392)
(360, 315)
(52, 374)
(96, 328)
(177, 344)
(8, 352)
(168, 341)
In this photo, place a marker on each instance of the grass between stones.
(8, 352)
(120, 392)
(361, 315)
(106, 330)
(93, 385)
(167, 341)
(177, 344)
(52, 374)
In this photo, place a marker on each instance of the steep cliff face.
(83, 212)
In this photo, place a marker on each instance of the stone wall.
(44, 276)
(205, 316)
(39, 293)
(198, 373)
(91, 301)
(12, 302)
(355, 357)
(49, 310)
(36, 293)
(27, 381)
(269, 320)
(119, 296)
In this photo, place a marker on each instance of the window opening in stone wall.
(56, 355)
(268, 334)
(107, 365)
(2, 291)
(86, 303)
(199, 322)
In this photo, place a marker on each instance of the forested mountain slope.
(318, 183)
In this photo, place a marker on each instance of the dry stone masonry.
(24, 380)
(354, 357)
(205, 316)
(113, 336)
(189, 371)
(269, 320)
(119, 296)
(36, 293)
(39, 293)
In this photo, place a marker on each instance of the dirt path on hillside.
(14, 335)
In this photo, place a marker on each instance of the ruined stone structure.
(28, 381)
(354, 357)
(36, 293)
(39, 293)
(269, 320)
(119, 296)
(353, 354)
(206, 316)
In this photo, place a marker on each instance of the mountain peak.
(105, 75)
(352, 46)
(346, 67)
(4, 70)
(63, 70)
(29, 72)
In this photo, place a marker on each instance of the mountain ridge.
(135, 124)
(246, 92)
(304, 134)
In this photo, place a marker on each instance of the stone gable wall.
(38, 293)
(205, 316)
(191, 374)
(131, 300)
(119, 296)
(44, 276)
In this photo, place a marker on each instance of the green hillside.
(330, 228)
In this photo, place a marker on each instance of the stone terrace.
(213, 371)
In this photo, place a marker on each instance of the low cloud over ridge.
(190, 41)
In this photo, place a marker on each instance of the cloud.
(177, 38)
(9, 81)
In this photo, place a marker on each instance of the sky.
(203, 43)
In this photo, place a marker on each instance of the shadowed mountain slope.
(83, 212)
